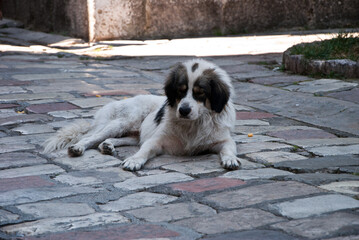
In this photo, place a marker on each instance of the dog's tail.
(67, 136)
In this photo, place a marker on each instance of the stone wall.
(146, 19)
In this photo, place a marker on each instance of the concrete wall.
(146, 19)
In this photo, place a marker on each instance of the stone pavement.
(300, 170)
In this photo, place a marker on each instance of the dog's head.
(196, 87)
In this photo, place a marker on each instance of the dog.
(195, 116)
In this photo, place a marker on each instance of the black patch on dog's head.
(160, 114)
(176, 85)
(215, 90)
(194, 67)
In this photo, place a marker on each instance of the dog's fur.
(195, 116)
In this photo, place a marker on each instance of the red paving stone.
(13, 83)
(49, 107)
(117, 93)
(301, 134)
(207, 184)
(146, 231)
(8, 184)
(253, 115)
(7, 105)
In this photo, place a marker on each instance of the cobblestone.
(299, 173)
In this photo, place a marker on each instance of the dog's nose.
(184, 110)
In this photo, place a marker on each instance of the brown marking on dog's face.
(211, 90)
(176, 85)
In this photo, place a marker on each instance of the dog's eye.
(182, 88)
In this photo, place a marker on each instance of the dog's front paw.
(230, 162)
(75, 151)
(133, 163)
(106, 148)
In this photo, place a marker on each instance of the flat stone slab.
(350, 96)
(347, 187)
(24, 118)
(253, 115)
(268, 158)
(38, 194)
(308, 143)
(91, 102)
(314, 206)
(266, 129)
(321, 85)
(172, 212)
(252, 235)
(245, 148)
(253, 122)
(325, 226)
(19, 159)
(206, 184)
(55, 209)
(33, 129)
(6, 216)
(151, 181)
(50, 107)
(38, 96)
(137, 200)
(91, 159)
(30, 171)
(49, 76)
(321, 178)
(133, 231)
(263, 173)
(282, 80)
(261, 193)
(8, 184)
(301, 134)
(64, 224)
(319, 163)
(237, 220)
(335, 150)
(255, 139)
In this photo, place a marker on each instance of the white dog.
(196, 116)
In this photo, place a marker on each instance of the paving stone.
(351, 95)
(164, 160)
(63, 114)
(247, 165)
(239, 107)
(314, 206)
(245, 148)
(91, 102)
(137, 200)
(212, 164)
(151, 181)
(8, 105)
(237, 220)
(13, 82)
(256, 138)
(265, 129)
(91, 159)
(301, 134)
(347, 187)
(8, 184)
(207, 184)
(282, 80)
(11, 90)
(352, 237)
(33, 129)
(325, 226)
(321, 85)
(73, 180)
(39, 194)
(6, 216)
(38, 96)
(64, 224)
(172, 212)
(30, 171)
(55, 209)
(24, 118)
(47, 76)
(320, 178)
(134, 231)
(261, 193)
(145, 172)
(252, 235)
(256, 74)
(263, 173)
(335, 150)
(5, 113)
(319, 163)
(307, 143)
(254, 122)
(253, 115)
(50, 107)
(19, 159)
(268, 158)
(127, 92)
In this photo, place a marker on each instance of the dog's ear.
(177, 74)
(220, 91)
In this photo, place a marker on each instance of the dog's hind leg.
(115, 128)
(108, 146)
